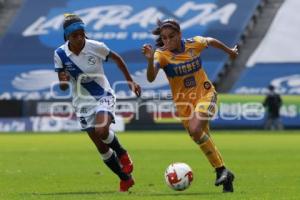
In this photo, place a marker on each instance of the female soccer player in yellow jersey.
(193, 93)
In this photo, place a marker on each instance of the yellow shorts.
(207, 105)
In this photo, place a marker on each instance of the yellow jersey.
(187, 78)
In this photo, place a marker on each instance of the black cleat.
(225, 178)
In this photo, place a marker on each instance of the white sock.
(110, 137)
(107, 155)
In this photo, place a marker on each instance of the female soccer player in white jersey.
(79, 64)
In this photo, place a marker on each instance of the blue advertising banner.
(26, 50)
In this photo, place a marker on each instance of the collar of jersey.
(182, 47)
(68, 52)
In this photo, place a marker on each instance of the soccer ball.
(179, 176)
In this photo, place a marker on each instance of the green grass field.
(67, 166)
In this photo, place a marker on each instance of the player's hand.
(135, 88)
(148, 51)
(64, 76)
(234, 52)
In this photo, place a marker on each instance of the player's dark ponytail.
(171, 23)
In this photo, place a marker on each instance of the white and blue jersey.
(90, 87)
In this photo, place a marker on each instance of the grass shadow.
(75, 193)
(183, 194)
(129, 193)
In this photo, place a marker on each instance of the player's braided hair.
(171, 23)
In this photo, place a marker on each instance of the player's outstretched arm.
(149, 54)
(232, 52)
(122, 66)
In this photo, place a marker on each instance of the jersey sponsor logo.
(183, 69)
(69, 66)
(67, 63)
(189, 82)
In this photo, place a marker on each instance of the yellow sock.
(211, 151)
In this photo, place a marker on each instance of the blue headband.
(74, 27)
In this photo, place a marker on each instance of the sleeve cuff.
(106, 58)
(157, 65)
(59, 70)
